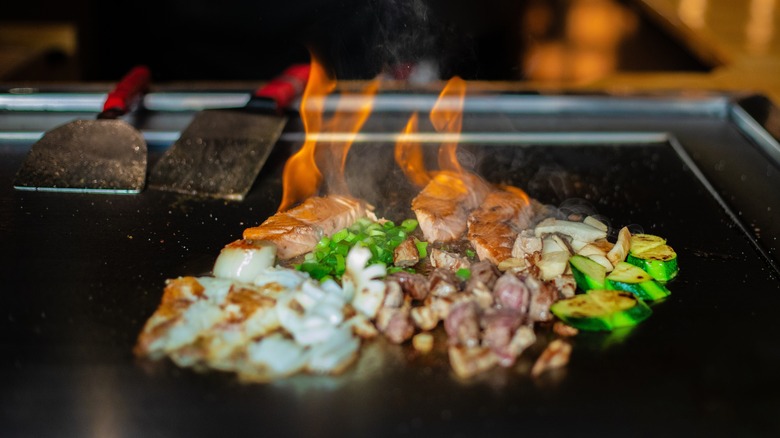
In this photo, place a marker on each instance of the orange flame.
(349, 121)
(520, 193)
(305, 170)
(409, 155)
(447, 117)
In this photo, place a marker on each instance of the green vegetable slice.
(630, 278)
(660, 262)
(587, 273)
(601, 310)
(644, 242)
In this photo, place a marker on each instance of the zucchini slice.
(640, 243)
(601, 310)
(660, 262)
(587, 273)
(629, 278)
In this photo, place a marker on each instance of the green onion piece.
(323, 243)
(409, 225)
(340, 235)
(470, 253)
(463, 273)
(341, 249)
(422, 248)
(341, 264)
(315, 270)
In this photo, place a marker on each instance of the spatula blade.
(92, 156)
(219, 154)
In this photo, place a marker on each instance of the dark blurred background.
(196, 40)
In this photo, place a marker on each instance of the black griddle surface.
(82, 273)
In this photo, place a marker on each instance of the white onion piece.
(287, 278)
(577, 230)
(215, 289)
(335, 353)
(281, 356)
(198, 317)
(244, 260)
(360, 283)
(329, 308)
(310, 294)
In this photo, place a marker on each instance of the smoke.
(403, 39)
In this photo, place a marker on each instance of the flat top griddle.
(82, 273)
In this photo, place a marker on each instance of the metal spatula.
(222, 151)
(106, 155)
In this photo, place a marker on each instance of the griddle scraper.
(106, 155)
(222, 151)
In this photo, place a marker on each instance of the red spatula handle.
(127, 90)
(284, 88)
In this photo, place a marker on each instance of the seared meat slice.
(330, 213)
(297, 231)
(291, 236)
(493, 227)
(443, 206)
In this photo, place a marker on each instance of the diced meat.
(469, 361)
(443, 206)
(443, 283)
(493, 227)
(564, 330)
(424, 317)
(512, 293)
(523, 338)
(394, 294)
(297, 231)
(423, 342)
(484, 273)
(543, 295)
(499, 328)
(554, 356)
(406, 254)
(414, 285)
(480, 284)
(462, 324)
(396, 324)
(447, 260)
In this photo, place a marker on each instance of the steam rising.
(402, 39)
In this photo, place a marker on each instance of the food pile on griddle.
(486, 264)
